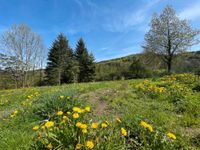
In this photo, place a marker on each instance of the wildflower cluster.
(150, 129)
(29, 99)
(73, 127)
(172, 87)
(71, 130)
(150, 88)
(185, 78)
(144, 136)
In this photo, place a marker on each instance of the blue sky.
(110, 28)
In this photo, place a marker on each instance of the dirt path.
(96, 98)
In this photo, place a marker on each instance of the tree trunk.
(169, 65)
(40, 84)
(59, 77)
(33, 79)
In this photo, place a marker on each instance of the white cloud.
(192, 12)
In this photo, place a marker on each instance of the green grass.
(108, 100)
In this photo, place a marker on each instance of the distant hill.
(113, 69)
(190, 55)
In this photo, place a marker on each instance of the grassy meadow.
(161, 113)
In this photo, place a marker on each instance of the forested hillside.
(129, 67)
(139, 66)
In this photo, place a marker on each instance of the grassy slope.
(109, 99)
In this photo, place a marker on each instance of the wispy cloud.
(192, 12)
(112, 19)
(127, 20)
(124, 22)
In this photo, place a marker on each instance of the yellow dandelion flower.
(59, 113)
(68, 113)
(35, 128)
(75, 115)
(84, 130)
(89, 144)
(94, 125)
(83, 126)
(171, 136)
(123, 132)
(146, 126)
(81, 111)
(76, 109)
(49, 124)
(65, 118)
(104, 125)
(49, 146)
(87, 109)
(78, 146)
(143, 124)
(150, 128)
(78, 124)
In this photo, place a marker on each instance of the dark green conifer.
(85, 62)
(59, 63)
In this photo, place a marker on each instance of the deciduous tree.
(169, 35)
(23, 48)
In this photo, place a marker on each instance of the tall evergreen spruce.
(85, 62)
(59, 63)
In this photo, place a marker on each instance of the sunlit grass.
(148, 111)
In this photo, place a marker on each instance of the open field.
(129, 114)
